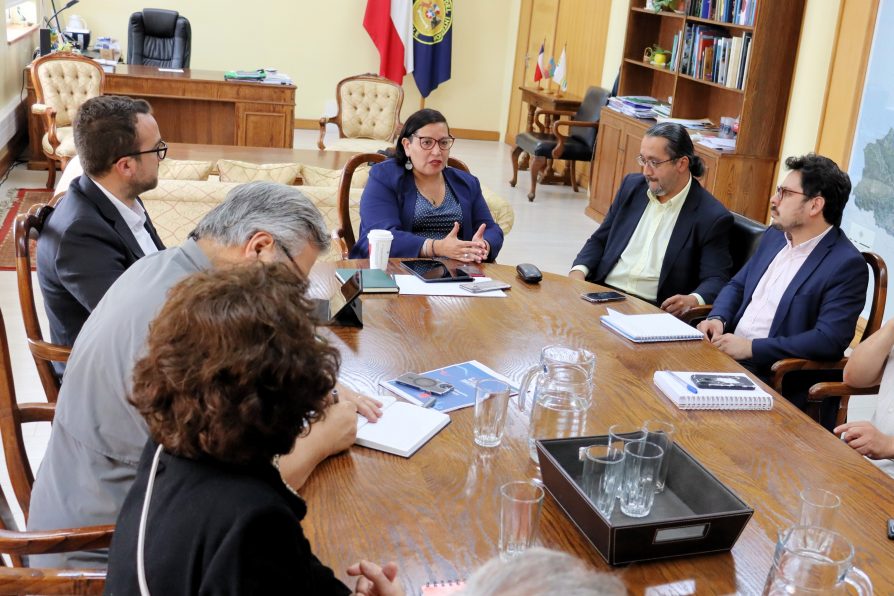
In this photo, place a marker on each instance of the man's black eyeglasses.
(160, 150)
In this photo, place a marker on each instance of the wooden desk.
(538, 98)
(196, 106)
(436, 513)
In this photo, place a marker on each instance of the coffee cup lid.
(379, 235)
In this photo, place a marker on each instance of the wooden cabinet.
(742, 179)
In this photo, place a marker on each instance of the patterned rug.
(22, 200)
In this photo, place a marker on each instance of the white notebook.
(402, 429)
(649, 328)
(710, 399)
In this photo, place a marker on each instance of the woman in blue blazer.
(431, 210)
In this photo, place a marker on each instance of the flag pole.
(421, 103)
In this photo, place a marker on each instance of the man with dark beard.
(100, 227)
(665, 239)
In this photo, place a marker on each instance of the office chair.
(575, 144)
(158, 37)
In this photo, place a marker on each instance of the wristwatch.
(717, 318)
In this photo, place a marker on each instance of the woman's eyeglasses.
(429, 143)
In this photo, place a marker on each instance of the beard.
(138, 187)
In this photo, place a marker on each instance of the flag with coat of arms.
(432, 43)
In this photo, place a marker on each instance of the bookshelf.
(741, 179)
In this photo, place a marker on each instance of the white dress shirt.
(639, 268)
(135, 218)
(758, 316)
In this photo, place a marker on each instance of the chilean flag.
(390, 26)
(538, 68)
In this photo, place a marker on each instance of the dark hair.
(105, 128)
(822, 176)
(678, 145)
(233, 369)
(419, 119)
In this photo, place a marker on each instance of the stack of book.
(738, 12)
(713, 55)
(639, 106)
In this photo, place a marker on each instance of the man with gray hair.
(97, 436)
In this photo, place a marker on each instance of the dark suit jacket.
(817, 315)
(697, 258)
(84, 246)
(389, 203)
(215, 528)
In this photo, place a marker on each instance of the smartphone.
(470, 270)
(423, 383)
(737, 382)
(603, 296)
(485, 286)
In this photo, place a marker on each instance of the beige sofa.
(188, 190)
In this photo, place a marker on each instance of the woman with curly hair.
(233, 373)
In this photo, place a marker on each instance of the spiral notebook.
(649, 328)
(442, 588)
(710, 399)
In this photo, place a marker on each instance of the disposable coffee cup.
(379, 248)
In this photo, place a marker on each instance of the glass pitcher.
(559, 406)
(557, 355)
(811, 561)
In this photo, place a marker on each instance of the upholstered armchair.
(368, 117)
(62, 82)
(159, 37)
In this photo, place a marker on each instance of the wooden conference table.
(436, 513)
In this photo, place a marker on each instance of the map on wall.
(869, 215)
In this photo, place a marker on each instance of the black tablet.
(429, 270)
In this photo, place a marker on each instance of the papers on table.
(649, 328)
(402, 429)
(718, 143)
(412, 285)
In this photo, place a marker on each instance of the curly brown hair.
(233, 369)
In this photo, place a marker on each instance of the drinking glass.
(641, 463)
(603, 469)
(491, 403)
(520, 504)
(662, 434)
(819, 508)
(621, 434)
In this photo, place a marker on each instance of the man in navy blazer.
(100, 227)
(665, 238)
(801, 293)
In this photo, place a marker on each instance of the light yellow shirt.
(638, 269)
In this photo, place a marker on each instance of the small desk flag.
(432, 43)
(559, 73)
(538, 68)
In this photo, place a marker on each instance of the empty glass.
(520, 504)
(819, 508)
(662, 434)
(621, 434)
(603, 469)
(491, 403)
(641, 463)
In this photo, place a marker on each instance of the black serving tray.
(695, 514)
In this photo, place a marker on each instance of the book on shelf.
(676, 387)
(402, 429)
(464, 377)
(735, 12)
(639, 106)
(375, 281)
(650, 328)
(714, 55)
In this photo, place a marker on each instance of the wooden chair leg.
(570, 165)
(516, 151)
(51, 174)
(537, 166)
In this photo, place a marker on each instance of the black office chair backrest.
(158, 37)
(589, 111)
(744, 239)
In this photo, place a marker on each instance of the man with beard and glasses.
(801, 293)
(100, 227)
(665, 239)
